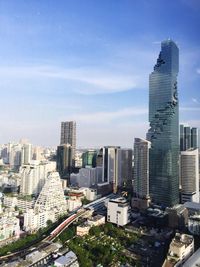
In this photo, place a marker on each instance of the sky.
(90, 61)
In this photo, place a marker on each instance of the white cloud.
(190, 109)
(195, 100)
(107, 117)
(93, 80)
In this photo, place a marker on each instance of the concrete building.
(193, 208)
(50, 204)
(181, 248)
(96, 220)
(125, 167)
(26, 154)
(177, 217)
(23, 203)
(194, 260)
(141, 168)
(14, 155)
(68, 260)
(118, 211)
(9, 226)
(64, 160)
(68, 136)
(86, 177)
(189, 174)
(117, 166)
(188, 137)
(194, 224)
(83, 229)
(52, 196)
(33, 177)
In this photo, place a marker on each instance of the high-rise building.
(64, 160)
(164, 127)
(125, 167)
(89, 158)
(117, 166)
(188, 137)
(26, 154)
(52, 196)
(33, 177)
(68, 136)
(141, 168)
(189, 175)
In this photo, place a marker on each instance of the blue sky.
(90, 61)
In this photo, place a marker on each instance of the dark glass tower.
(164, 127)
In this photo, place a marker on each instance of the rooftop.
(121, 200)
(194, 260)
(192, 205)
(182, 240)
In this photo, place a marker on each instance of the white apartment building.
(35, 220)
(118, 211)
(9, 226)
(33, 177)
(26, 154)
(49, 205)
(181, 248)
(22, 204)
(189, 174)
(14, 155)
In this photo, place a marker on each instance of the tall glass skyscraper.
(164, 127)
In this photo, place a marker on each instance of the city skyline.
(90, 63)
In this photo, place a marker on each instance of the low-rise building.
(23, 203)
(68, 260)
(118, 211)
(194, 224)
(193, 208)
(194, 260)
(9, 226)
(73, 204)
(177, 216)
(83, 229)
(96, 220)
(181, 248)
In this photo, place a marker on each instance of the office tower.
(164, 127)
(99, 160)
(26, 154)
(68, 136)
(190, 175)
(182, 136)
(117, 166)
(64, 160)
(141, 168)
(89, 158)
(125, 167)
(110, 166)
(188, 137)
(194, 138)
